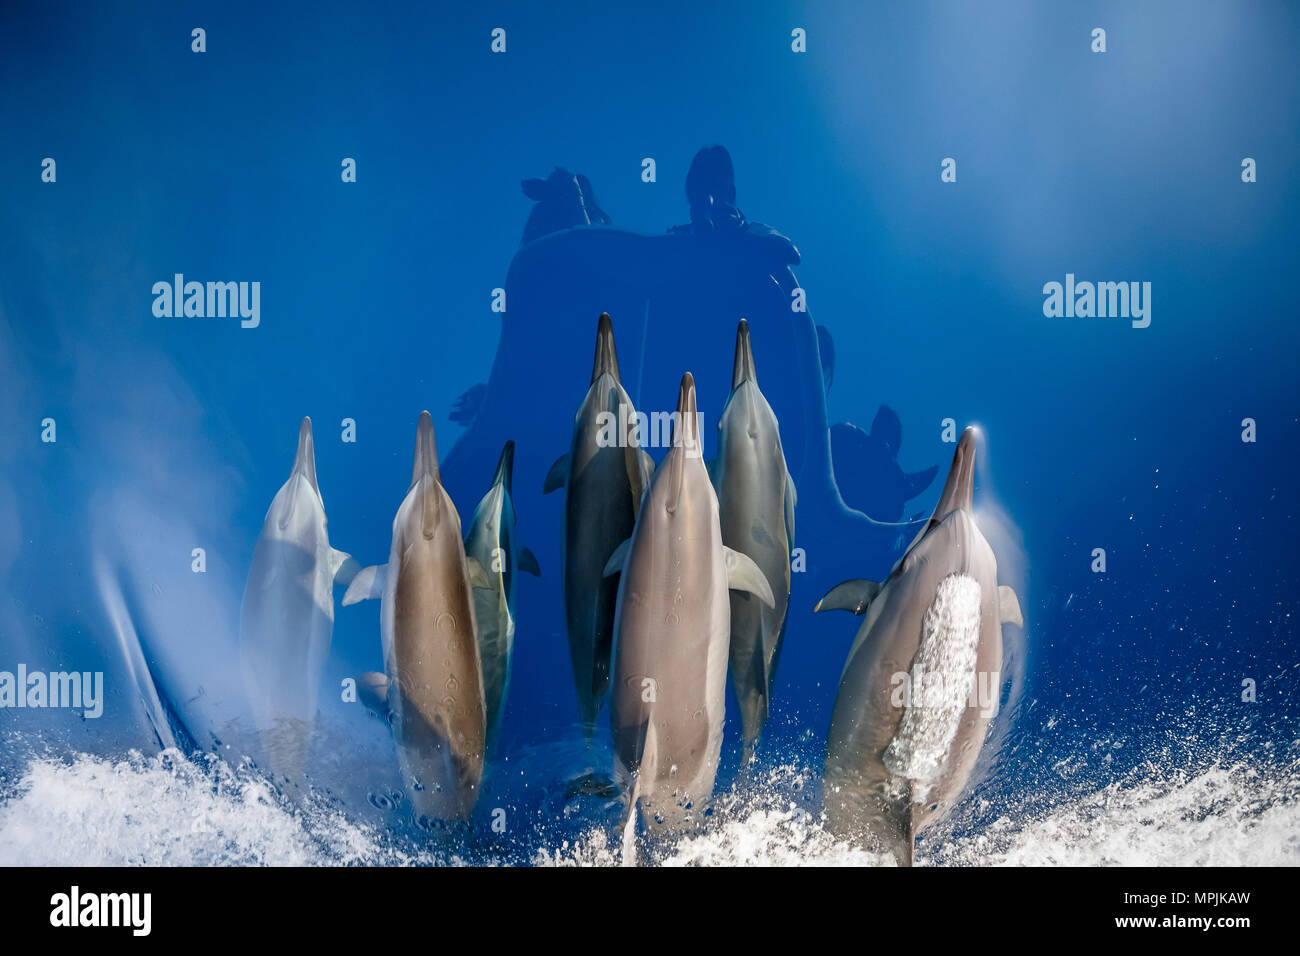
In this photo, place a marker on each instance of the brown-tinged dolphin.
(434, 686)
(672, 630)
(756, 498)
(603, 475)
(491, 542)
(286, 619)
(922, 679)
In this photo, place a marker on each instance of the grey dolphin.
(286, 619)
(672, 627)
(491, 542)
(603, 476)
(757, 498)
(434, 686)
(922, 679)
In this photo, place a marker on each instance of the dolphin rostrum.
(672, 629)
(756, 496)
(286, 620)
(433, 685)
(491, 542)
(603, 476)
(922, 679)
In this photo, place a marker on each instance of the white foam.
(166, 810)
(1222, 816)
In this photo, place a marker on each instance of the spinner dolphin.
(914, 701)
(432, 688)
(286, 619)
(672, 630)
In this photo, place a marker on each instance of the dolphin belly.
(435, 699)
(673, 627)
(436, 689)
(286, 617)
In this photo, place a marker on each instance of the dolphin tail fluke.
(304, 462)
(505, 465)
(369, 583)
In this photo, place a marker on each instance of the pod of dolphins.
(673, 576)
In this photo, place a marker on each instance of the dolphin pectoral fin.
(372, 690)
(368, 583)
(616, 560)
(343, 567)
(558, 476)
(528, 562)
(1009, 607)
(478, 577)
(744, 575)
(854, 595)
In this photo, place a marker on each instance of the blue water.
(1125, 738)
